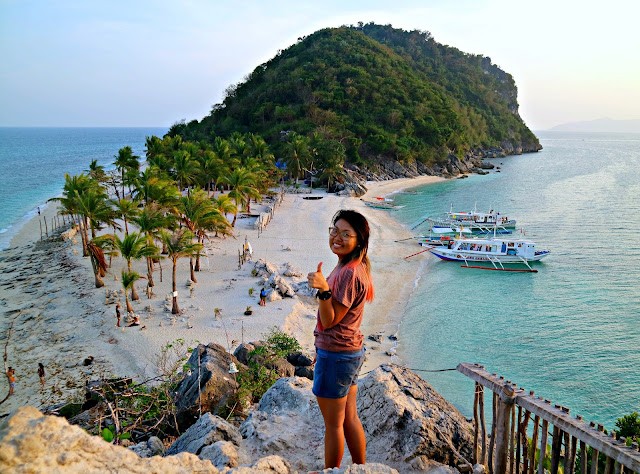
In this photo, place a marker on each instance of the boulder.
(224, 454)
(281, 366)
(280, 284)
(146, 449)
(216, 385)
(306, 372)
(264, 268)
(299, 359)
(208, 430)
(33, 442)
(288, 423)
(267, 464)
(291, 271)
(405, 420)
(242, 351)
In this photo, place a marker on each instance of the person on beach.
(11, 373)
(136, 321)
(338, 339)
(118, 315)
(41, 373)
(263, 297)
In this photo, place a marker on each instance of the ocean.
(570, 332)
(33, 162)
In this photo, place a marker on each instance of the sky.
(153, 63)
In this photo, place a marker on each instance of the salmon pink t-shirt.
(348, 287)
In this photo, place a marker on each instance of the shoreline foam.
(80, 324)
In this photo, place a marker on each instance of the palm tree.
(154, 147)
(210, 168)
(224, 205)
(96, 172)
(199, 215)
(185, 169)
(297, 154)
(127, 210)
(73, 187)
(150, 221)
(151, 186)
(125, 160)
(98, 262)
(134, 247)
(179, 244)
(332, 171)
(128, 281)
(241, 182)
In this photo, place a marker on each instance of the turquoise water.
(33, 162)
(571, 332)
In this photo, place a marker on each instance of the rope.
(413, 370)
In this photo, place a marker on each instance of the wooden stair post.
(503, 414)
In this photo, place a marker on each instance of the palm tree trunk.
(134, 295)
(150, 272)
(200, 240)
(191, 268)
(174, 307)
(85, 250)
(126, 298)
(96, 274)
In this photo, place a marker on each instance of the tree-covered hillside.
(371, 92)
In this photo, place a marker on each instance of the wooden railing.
(509, 450)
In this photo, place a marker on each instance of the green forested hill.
(374, 92)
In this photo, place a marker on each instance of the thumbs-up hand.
(316, 279)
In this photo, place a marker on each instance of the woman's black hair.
(361, 226)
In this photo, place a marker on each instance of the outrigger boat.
(382, 203)
(477, 222)
(496, 251)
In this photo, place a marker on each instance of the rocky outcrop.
(409, 428)
(33, 442)
(288, 423)
(215, 388)
(206, 431)
(407, 423)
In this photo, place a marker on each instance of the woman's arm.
(331, 311)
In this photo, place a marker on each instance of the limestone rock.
(369, 468)
(242, 351)
(267, 465)
(216, 384)
(33, 442)
(264, 268)
(280, 284)
(404, 419)
(299, 359)
(146, 449)
(288, 422)
(224, 454)
(291, 271)
(206, 431)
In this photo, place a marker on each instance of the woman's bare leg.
(333, 412)
(353, 431)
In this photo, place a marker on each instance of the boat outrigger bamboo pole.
(422, 251)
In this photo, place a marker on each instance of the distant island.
(600, 125)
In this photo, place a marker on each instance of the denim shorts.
(336, 372)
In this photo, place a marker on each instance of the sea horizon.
(26, 184)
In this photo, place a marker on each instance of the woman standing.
(41, 373)
(338, 340)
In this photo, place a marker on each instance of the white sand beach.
(61, 318)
